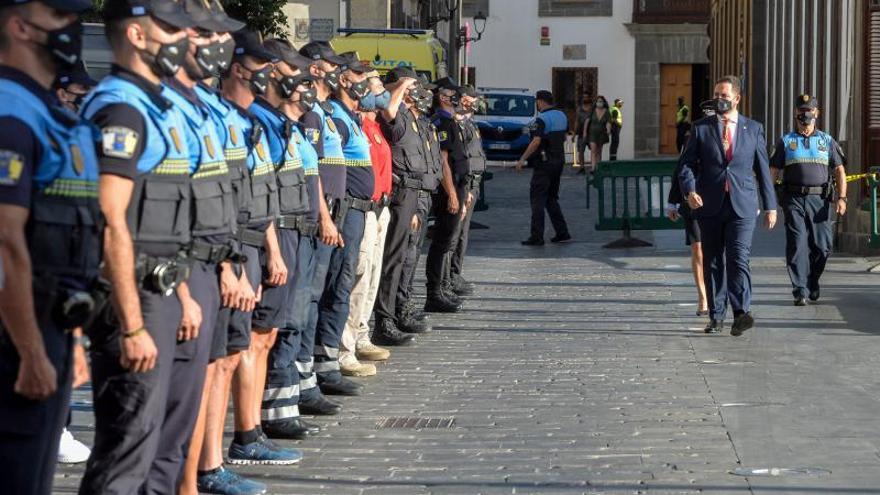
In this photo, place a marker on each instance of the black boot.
(387, 333)
(450, 295)
(462, 287)
(439, 303)
(411, 312)
(319, 406)
(342, 387)
(291, 429)
(409, 324)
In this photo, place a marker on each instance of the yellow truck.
(386, 49)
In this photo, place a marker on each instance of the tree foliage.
(264, 16)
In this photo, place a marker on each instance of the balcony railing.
(672, 11)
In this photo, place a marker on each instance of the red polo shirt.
(380, 154)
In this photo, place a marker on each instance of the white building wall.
(510, 53)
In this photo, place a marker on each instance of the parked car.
(503, 120)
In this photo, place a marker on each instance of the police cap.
(227, 24)
(248, 42)
(62, 5)
(282, 50)
(398, 73)
(448, 83)
(354, 64)
(806, 102)
(76, 75)
(168, 11)
(425, 83)
(321, 50)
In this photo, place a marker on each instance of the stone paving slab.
(579, 370)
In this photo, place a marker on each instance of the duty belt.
(297, 222)
(806, 190)
(161, 275)
(251, 237)
(364, 205)
(409, 183)
(473, 180)
(209, 253)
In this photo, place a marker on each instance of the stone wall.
(659, 44)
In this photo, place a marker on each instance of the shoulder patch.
(443, 135)
(119, 142)
(314, 135)
(11, 166)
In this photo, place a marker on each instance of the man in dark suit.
(726, 179)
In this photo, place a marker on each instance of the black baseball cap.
(321, 50)
(76, 75)
(354, 64)
(203, 16)
(248, 42)
(228, 24)
(448, 83)
(806, 102)
(398, 73)
(425, 83)
(62, 5)
(168, 11)
(284, 51)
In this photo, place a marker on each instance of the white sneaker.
(71, 450)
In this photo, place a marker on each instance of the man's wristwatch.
(842, 198)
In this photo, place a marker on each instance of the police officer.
(451, 204)
(145, 184)
(807, 158)
(616, 126)
(546, 155)
(409, 169)
(682, 124)
(456, 285)
(72, 86)
(48, 198)
(299, 188)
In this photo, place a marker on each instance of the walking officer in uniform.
(807, 160)
(145, 197)
(48, 199)
(546, 156)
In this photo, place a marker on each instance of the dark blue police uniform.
(142, 140)
(807, 164)
(476, 159)
(547, 163)
(47, 165)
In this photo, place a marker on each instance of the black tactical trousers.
(544, 193)
(456, 257)
(809, 239)
(416, 241)
(444, 241)
(404, 204)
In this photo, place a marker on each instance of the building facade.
(828, 48)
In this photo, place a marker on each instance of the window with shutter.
(872, 86)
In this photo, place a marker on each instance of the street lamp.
(463, 40)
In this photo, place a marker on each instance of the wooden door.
(675, 80)
(570, 84)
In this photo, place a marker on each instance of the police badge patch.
(793, 145)
(233, 136)
(119, 142)
(210, 146)
(77, 158)
(11, 166)
(331, 125)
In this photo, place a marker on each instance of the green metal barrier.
(631, 195)
(874, 183)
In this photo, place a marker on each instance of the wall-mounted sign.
(574, 52)
(545, 36)
(313, 29)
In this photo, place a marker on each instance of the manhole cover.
(800, 472)
(415, 423)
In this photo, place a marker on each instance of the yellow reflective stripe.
(235, 154)
(331, 161)
(211, 169)
(358, 163)
(173, 167)
(311, 171)
(262, 169)
(291, 165)
(810, 160)
(77, 188)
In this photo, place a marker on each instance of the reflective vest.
(807, 158)
(65, 226)
(246, 149)
(159, 211)
(682, 116)
(213, 197)
(293, 195)
(616, 116)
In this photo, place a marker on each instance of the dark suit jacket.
(704, 170)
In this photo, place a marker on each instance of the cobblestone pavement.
(576, 369)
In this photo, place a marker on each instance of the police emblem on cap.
(175, 137)
(119, 142)
(331, 125)
(11, 166)
(233, 136)
(77, 158)
(209, 145)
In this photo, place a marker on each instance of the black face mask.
(64, 44)
(806, 119)
(332, 79)
(308, 98)
(223, 53)
(206, 59)
(169, 59)
(359, 90)
(286, 86)
(260, 80)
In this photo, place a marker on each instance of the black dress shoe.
(388, 334)
(342, 387)
(800, 301)
(742, 323)
(319, 406)
(451, 296)
(714, 326)
(411, 325)
(564, 237)
(438, 303)
(533, 242)
(814, 295)
(292, 429)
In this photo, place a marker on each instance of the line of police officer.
(200, 235)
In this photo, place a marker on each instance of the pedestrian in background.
(616, 126)
(582, 115)
(597, 130)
